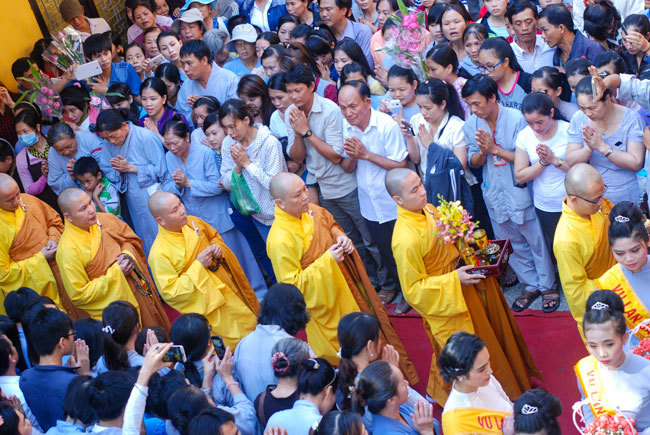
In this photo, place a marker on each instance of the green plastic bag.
(241, 196)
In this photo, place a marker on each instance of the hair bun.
(311, 364)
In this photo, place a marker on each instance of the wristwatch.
(609, 152)
(559, 163)
(307, 134)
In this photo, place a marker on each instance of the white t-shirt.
(548, 186)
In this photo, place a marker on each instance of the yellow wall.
(18, 32)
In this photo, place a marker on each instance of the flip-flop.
(527, 296)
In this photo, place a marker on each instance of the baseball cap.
(70, 9)
(243, 32)
(189, 16)
(188, 3)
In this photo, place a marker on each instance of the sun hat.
(189, 16)
(187, 4)
(243, 32)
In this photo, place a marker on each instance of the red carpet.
(553, 341)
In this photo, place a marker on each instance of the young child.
(103, 192)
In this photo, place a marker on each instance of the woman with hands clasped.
(607, 136)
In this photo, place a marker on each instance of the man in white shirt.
(73, 13)
(530, 49)
(315, 137)
(373, 145)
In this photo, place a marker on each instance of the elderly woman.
(66, 147)
(216, 40)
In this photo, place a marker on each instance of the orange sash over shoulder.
(42, 223)
(473, 421)
(229, 271)
(587, 371)
(326, 230)
(117, 237)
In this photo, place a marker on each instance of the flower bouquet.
(643, 349)
(407, 44)
(454, 223)
(609, 422)
(42, 94)
(66, 49)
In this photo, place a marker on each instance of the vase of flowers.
(407, 44)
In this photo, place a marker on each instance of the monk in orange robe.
(29, 236)
(299, 246)
(101, 261)
(448, 298)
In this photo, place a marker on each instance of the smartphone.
(156, 60)
(219, 347)
(176, 354)
(408, 128)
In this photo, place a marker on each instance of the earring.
(372, 355)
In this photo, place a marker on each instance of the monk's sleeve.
(53, 221)
(575, 283)
(83, 291)
(439, 295)
(14, 274)
(182, 290)
(286, 265)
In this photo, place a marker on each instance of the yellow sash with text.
(473, 420)
(588, 374)
(635, 312)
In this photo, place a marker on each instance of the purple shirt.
(168, 114)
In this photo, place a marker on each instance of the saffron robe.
(582, 251)
(23, 233)
(93, 279)
(430, 284)
(299, 252)
(635, 310)
(224, 297)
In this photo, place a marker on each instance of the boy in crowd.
(101, 190)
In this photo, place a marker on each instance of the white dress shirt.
(382, 136)
(543, 55)
(259, 17)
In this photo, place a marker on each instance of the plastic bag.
(241, 196)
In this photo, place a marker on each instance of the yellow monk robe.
(224, 297)
(635, 311)
(582, 251)
(93, 279)
(23, 233)
(588, 374)
(473, 421)
(311, 269)
(430, 284)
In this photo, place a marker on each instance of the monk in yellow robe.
(101, 261)
(581, 246)
(310, 250)
(197, 273)
(450, 299)
(29, 236)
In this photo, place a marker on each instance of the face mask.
(29, 138)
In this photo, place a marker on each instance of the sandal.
(387, 296)
(550, 301)
(524, 300)
(402, 308)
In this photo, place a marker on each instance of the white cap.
(242, 32)
(189, 16)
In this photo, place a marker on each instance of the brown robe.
(42, 223)
(326, 231)
(117, 237)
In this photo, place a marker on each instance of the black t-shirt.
(266, 404)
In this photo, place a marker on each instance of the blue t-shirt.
(123, 72)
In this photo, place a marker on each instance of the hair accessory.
(316, 365)
(456, 369)
(599, 306)
(77, 84)
(622, 219)
(529, 409)
(108, 329)
(280, 356)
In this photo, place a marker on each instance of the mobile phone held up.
(408, 128)
(176, 355)
(219, 347)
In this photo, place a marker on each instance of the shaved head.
(581, 179)
(9, 193)
(395, 180)
(282, 183)
(158, 203)
(68, 198)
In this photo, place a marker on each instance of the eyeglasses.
(595, 202)
(72, 334)
(491, 68)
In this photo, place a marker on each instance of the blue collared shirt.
(582, 47)
(361, 34)
(123, 72)
(222, 84)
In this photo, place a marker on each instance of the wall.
(19, 30)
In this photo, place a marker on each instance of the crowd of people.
(244, 170)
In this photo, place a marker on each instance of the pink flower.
(414, 47)
(95, 100)
(43, 100)
(410, 21)
(403, 44)
(44, 90)
(49, 111)
(57, 105)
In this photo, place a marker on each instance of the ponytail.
(119, 319)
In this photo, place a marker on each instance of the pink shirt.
(31, 186)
